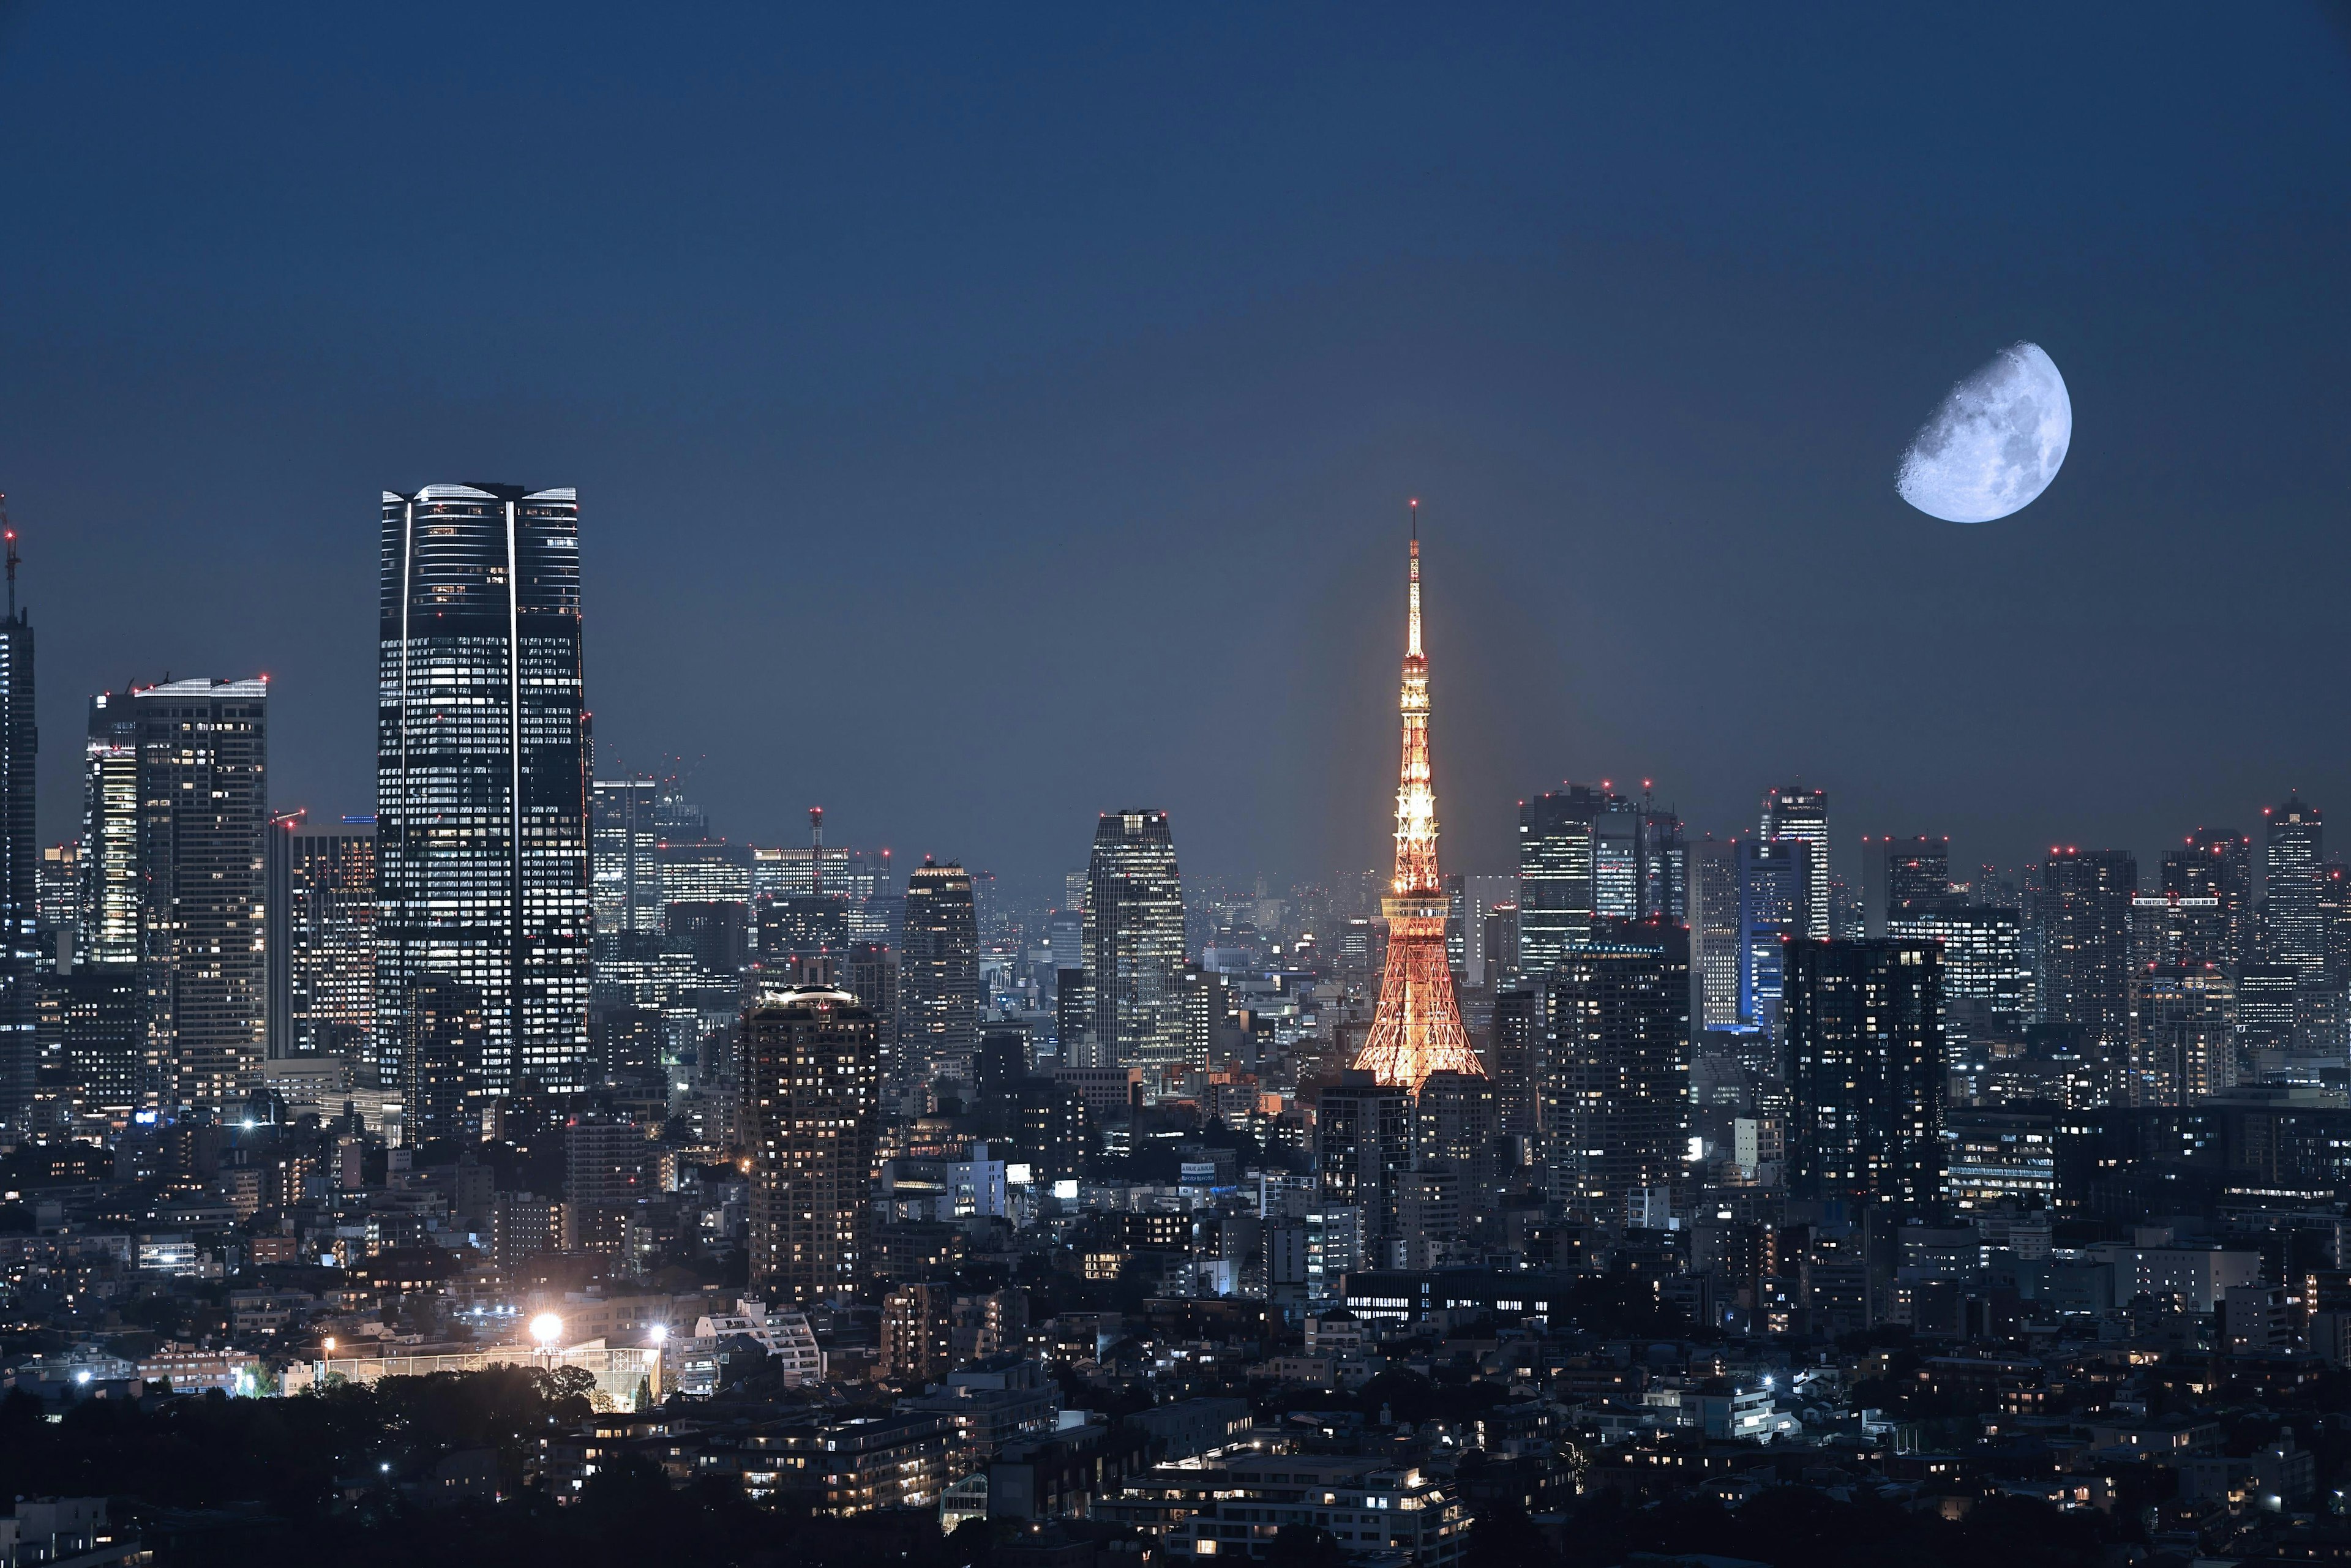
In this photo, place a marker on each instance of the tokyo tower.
(1418, 1029)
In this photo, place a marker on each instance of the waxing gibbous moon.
(1994, 444)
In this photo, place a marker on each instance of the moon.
(1993, 444)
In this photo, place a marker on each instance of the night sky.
(987, 416)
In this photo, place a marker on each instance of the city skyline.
(1643, 366)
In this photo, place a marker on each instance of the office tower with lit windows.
(622, 864)
(1866, 1067)
(203, 823)
(58, 905)
(1557, 849)
(1714, 911)
(482, 821)
(1134, 943)
(1775, 886)
(1987, 986)
(939, 976)
(2293, 851)
(20, 862)
(321, 947)
(111, 896)
(1795, 815)
(811, 1093)
(1615, 1095)
(2084, 909)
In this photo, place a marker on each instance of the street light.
(658, 1333)
(547, 1328)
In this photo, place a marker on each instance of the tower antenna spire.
(9, 529)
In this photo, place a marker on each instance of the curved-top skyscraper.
(1417, 1029)
(481, 778)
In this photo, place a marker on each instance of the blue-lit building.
(1774, 907)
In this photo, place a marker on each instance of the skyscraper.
(2183, 1034)
(1617, 1096)
(812, 1102)
(1917, 876)
(627, 876)
(2218, 862)
(204, 817)
(1865, 1068)
(1416, 1029)
(1134, 943)
(20, 863)
(1558, 848)
(2084, 912)
(109, 833)
(481, 773)
(939, 976)
(1802, 816)
(1714, 917)
(1775, 886)
(2294, 849)
(321, 948)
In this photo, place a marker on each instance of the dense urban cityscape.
(1167, 1220)
(1502, 787)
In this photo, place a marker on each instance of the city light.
(547, 1328)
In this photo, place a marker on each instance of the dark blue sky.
(983, 417)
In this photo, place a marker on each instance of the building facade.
(938, 975)
(812, 1090)
(1616, 1097)
(1134, 944)
(1866, 1068)
(203, 819)
(481, 773)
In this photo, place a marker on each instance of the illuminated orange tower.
(1418, 1029)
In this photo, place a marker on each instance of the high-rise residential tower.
(1802, 816)
(1616, 1099)
(2218, 862)
(322, 947)
(203, 819)
(1416, 1029)
(939, 976)
(481, 773)
(2084, 912)
(20, 860)
(1866, 1070)
(1134, 943)
(811, 1106)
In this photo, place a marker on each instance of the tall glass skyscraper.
(1134, 943)
(938, 977)
(203, 819)
(481, 774)
(627, 874)
(2293, 853)
(1558, 869)
(110, 833)
(20, 860)
(1802, 816)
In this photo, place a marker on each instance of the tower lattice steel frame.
(1417, 1029)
